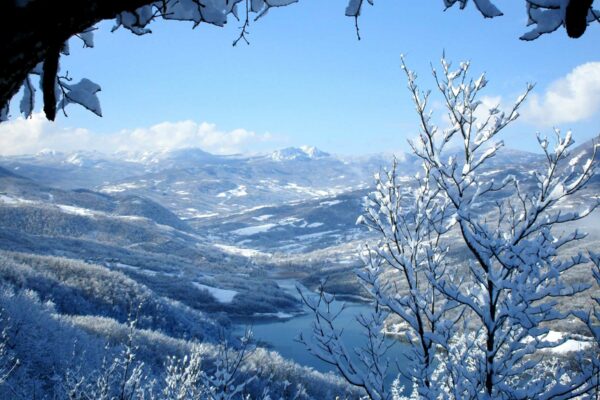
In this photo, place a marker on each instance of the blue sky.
(306, 79)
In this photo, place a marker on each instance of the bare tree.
(366, 367)
(186, 380)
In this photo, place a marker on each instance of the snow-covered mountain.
(128, 234)
(202, 240)
(293, 200)
(75, 170)
(298, 153)
(195, 184)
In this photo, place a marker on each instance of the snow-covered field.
(252, 230)
(242, 251)
(222, 295)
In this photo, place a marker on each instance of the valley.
(206, 245)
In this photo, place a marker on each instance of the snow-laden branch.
(475, 318)
(515, 271)
(137, 16)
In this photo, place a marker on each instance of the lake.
(280, 335)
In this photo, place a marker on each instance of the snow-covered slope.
(292, 200)
(195, 184)
(298, 153)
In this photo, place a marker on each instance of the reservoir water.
(280, 335)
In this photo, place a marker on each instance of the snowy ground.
(240, 251)
(222, 295)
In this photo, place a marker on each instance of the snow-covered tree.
(186, 380)
(122, 378)
(34, 35)
(592, 319)
(476, 325)
(515, 268)
(8, 362)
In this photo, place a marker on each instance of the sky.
(305, 79)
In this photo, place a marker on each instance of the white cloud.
(27, 136)
(572, 98)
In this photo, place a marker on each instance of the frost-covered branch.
(476, 318)
(122, 377)
(224, 383)
(411, 223)
(592, 320)
(515, 270)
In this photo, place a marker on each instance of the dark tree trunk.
(49, 82)
(576, 17)
(29, 34)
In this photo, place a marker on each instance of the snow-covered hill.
(195, 184)
(202, 240)
(292, 200)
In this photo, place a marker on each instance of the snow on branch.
(516, 269)
(475, 317)
(545, 16)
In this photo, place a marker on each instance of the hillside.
(199, 245)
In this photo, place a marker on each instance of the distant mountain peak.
(83, 158)
(298, 153)
(46, 152)
(313, 152)
(187, 154)
(75, 159)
